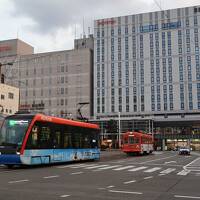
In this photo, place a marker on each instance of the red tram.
(137, 142)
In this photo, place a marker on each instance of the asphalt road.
(163, 176)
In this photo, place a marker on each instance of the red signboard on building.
(5, 48)
(106, 22)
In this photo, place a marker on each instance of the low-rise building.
(9, 99)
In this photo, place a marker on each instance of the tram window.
(84, 138)
(137, 140)
(133, 140)
(75, 137)
(40, 137)
(57, 139)
(125, 140)
(45, 136)
(33, 138)
(67, 140)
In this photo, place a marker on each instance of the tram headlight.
(18, 153)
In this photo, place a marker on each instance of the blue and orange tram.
(35, 139)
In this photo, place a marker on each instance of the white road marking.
(19, 181)
(170, 162)
(167, 171)
(162, 174)
(137, 169)
(75, 165)
(111, 186)
(101, 188)
(125, 167)
(65, 195)
(148, 177)
(124, 192)
(97, 166)
(76, 173)
(109, 167)
(48, 177)
(192, 165)
(84, 165)
(128, 182)
(183, 172)
(152, 164)
(187, 197)
(152, 169)
(157, 159)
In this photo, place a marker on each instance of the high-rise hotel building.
(147, 66)
(147, 63)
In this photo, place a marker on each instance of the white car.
(184, 151)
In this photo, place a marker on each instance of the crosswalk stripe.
(183, 172)
(152, 169)
(84, 165)
(109, 167)
(137, 169)
(130, 168)
(97, 166)
(75, 166)
(125, 167)
(167, 171)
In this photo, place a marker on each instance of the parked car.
(184, 151)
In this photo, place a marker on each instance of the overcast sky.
(49, 25)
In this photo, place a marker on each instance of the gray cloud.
(50, 15)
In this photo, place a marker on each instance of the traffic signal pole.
(119, 129)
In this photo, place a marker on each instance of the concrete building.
(56, 83)
(147, 66)
(9, 99)
(14, 47)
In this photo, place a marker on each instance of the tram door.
(57, 146)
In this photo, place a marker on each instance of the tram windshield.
(13, 131)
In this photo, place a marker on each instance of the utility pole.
(119, 129)
(80, 116)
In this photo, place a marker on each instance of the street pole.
(119, 129)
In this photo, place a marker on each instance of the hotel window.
(102, 33)
(112, 32)
(120, 108)
(126, 29)
(127, 108)
(119, 31)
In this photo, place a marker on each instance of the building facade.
(148, 65)
(9, 101)
(55, 83)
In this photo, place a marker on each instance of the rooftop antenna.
(75, 31)
(160, 7)
(17, 33)
(83, 28)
